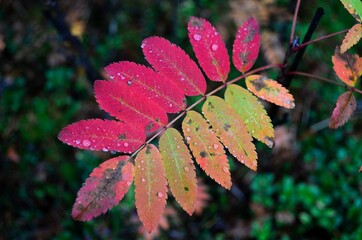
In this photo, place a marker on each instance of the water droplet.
(77, 141)
(216, 146)
(214, 47)
(123, 77)
(111, 76)
(129, 183)
(175, 180)
(174, 138)
(159, 194)
(197, 37)
(225, 169)
(129, 82)
(143, 45)
(170, 105)
(125, 144)
(105, 150)
(143, 180)
(86, 143)
(188, 139)
(182, 79)
(186, 169)
(188, 129)
(178, 146)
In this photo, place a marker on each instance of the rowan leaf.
(129, 106)
(251, 112)
(144, 80)
(354, 7)
(231, 130)
(345, 106)
(103, 135)
(180, 170)
(209, 48)
(270, 90)
(150, 187)
(347, 66)
(206, 148)
(246, 45)
(352, 37)
(174, 63)
(105, 187)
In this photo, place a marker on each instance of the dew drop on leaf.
(197, 37)
(86, 143)
(188, 139)
(143, 180)
(216, 146)
(105, 150)
(214, 47)
(186, 169)
(159, 194)
(77, 141)
(225, 169)
(125, 144)
(129, 183)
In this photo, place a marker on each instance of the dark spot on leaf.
(196, 22)
(259, 83)
(227, 127)
(210, 105)
(251, 34)
(244, 57)
(212, 154)
(149, 126)
(203, 154)
(148, 149)
(189, 122)
(122, 136)
(186, 189)
(197, 129)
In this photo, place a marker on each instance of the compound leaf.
(209, 48)
(174, 63)
(345, 106)
(270, 90)
(180, 170)
(252, 112)
(103, 135)
(129, 106)
(347, 66)
(246, 45)
(352, 37)
(231, 130)
(206, 148)
(150, 186)
(105, 187)
(144, 80)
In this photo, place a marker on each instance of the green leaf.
(231, 130)
(252, 112)
(354, 7)
(206, 148)
(180, 170)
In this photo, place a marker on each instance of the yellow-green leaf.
(352, 37)
(270, 90)
(252, 112)
(150, 186)
(206, 148)
(354, 7)
(231, 130)
(180, 170)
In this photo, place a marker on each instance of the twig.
(294, 22)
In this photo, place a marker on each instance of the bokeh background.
(307, 187)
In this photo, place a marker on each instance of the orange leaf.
(348, 67)
(270, 90)
(352, 37)
(231, 130)
(206, 148)
(180, 170)
(150, 186)
(345, 106)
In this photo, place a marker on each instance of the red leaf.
(246, 45)
(175, 64)
(209, 48)
(104, 188)
(345, 106)
(348, 67)
(150, 187)
(106, 135)
(129, 106)
(144, 80)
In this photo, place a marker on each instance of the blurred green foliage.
(309, 190)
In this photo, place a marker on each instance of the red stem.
(294, 21)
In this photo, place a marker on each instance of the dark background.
(307, 187)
